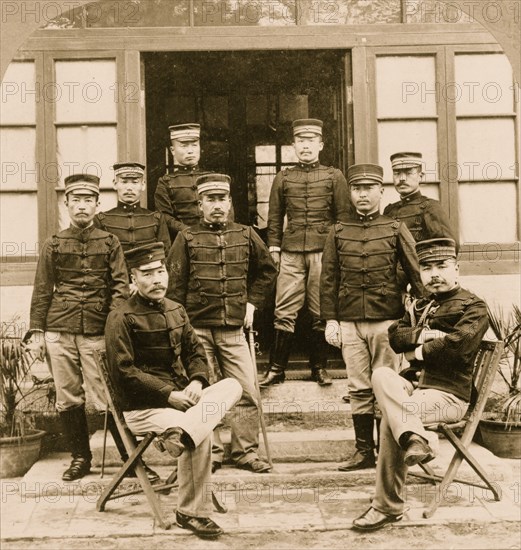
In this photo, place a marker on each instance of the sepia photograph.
(260, 274)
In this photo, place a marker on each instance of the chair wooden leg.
(218, 504)
(118, 478)
(151, 495)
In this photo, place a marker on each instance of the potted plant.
(501, 425)
(19, 442)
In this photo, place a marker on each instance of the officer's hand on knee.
(180, 400)
(333, 334)
(194, 390)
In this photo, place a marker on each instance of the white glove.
(275, 256)
(248, 319)
(35, 345)
(333, 335)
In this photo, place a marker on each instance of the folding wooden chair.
(485, 367)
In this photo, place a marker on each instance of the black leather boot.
(377, 421)
(318, 353)
(279, 357)
(153, 477)
(364, 455)
(75, 428)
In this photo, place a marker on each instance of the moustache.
(159, 287)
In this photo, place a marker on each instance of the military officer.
(313, 197)
(360, 296)
(440, 335)
(132, 224)
(424, 217)
(80, 276)
(160, 368)
(221, 272)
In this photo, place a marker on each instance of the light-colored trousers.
(298, 283)
(365, 349)
(194, 465)
(405, 409)
(229, 356)
(71, 360)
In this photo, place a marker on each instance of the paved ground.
(40, 511)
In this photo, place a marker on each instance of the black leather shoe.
(216, 466)
(204, 528)
(359, 461)
(171, 442)
(321, 377)
(79, 468)
(346, 399)
(272, 378)
(417, 451)
(372, 519)
(256, 466)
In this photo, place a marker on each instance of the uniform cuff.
(274, 249)
(418, 353)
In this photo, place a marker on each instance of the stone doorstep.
(321, 445)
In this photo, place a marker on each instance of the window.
(19, 180)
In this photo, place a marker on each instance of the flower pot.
(501, 439)
(18, 454)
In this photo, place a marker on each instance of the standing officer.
(360, 296)
(440, 335)
(132, 224)
(81, 275)
(221, 272)
(160, 367)
(423, 216)
(313, 197)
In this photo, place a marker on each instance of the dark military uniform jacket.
(152, 350)
(176, 197)
(359, 269)
(424, 217)
(215, 269)
(448, 361)
(313, 197)
(134, 225)
(81, 275)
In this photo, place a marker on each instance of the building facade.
(103, 82)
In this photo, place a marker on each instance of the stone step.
(320, 478)
(287, 446)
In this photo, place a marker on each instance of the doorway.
(245, 102)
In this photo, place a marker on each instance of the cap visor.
(152, 265)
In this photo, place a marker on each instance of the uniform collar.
(154, 304)
(82, 230)
(367, 217)
(309, 166)
(185, 169)
(411, 197)
(128, 207)
(215, 226)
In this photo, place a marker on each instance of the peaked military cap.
(185, 132)
(82, 184)
(406, 160)
(365, 173)
(435, 250)
(307, 127)
(213, 183)
(131, 168)
(147, 256)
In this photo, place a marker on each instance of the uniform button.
(131, 229)
(223, 278)
(366, 225)
(82, 300)
(365, 239)
(222, 262)
(84, 254)
(363, 285)
(364, 254)
(194, 186)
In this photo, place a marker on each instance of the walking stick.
(251, 342)
(105, 429)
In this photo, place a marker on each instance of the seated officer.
(161, 369)
(132, 224)
(440, 336)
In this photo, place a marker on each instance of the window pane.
(87, 91)
(288, 154)
(18, 94)
(244, 12)
(484, 85)
(18, 147)
(408, 136)
(87, 149)
(342, 12)
(108, 200)
(483, 218)
(265, 154)
(405, 86)
(486, 149)
(19, 223)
